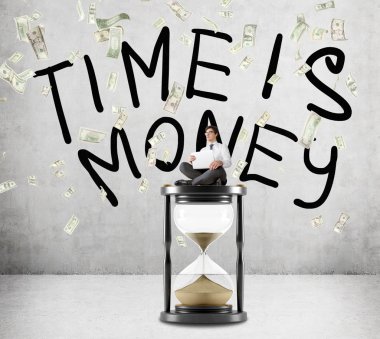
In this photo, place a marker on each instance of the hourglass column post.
(167, 259)
(239, 261)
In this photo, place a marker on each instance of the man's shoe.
(183, 182)
(218, 182)
(224, 182)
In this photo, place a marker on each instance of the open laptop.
(203, 159)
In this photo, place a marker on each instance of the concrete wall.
(279, 237)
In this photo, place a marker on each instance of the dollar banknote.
(107, 23)
(338, 228)
(326, 5)
(226, 14)
(112, 81)
(80, 10)
(71, 225)
(102, 35)
(351, 85)
(7, 185)
(165, 156)
(225, 3)
(10, 77)
(185, 39)
(3, 99)
(310, 129)
(69, 192)
(90, 135)
(74, 55)
(243, 135)
(237, 47)
(302, 70)
(157, 138)
(160, 22)
(245, 63)
(45, 90)
(317, 221)
(16, 57)
(174, 98)
(152, 156)
(298, 55)
(36, 39)
(32, 180)
(249, 35)
(337, 30)
(317, 33)
(178, 10)
(59, 173)
(119, 110)
(121, 121)
(57, 164)
(340, 142)
(144, 185)
(114, 46)
(299, 29)
(239, 168)
(181, 241)
(27, 74)
(91, 19)
(273, 79)
(22, 27)
(263, 119)
(36, 15)
(211, 23)
(103, 194)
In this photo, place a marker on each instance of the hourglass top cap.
(213, 191)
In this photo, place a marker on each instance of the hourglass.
(204, 289)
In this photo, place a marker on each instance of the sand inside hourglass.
(203, 239)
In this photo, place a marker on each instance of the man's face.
(211, 135)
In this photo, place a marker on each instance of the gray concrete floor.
(59, 306)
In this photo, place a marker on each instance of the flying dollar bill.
(57, 164)
(112, 81)
(226, 14)
(16, 57)
(59, 173)
(245, 63)
(310, 129)
(157, 138)
(317, 33)
(80, 10)
(102, 35)
(237, 47)
(340, 142)
(69, 192)
(165, 156)
(144, 185)
(91, 19)
(119, 110)
(45, 90)
(27, 74)
(174, 98)
(225, 3)
(10, 77)
(36, 39)
(71, 225)
(317, 221)
(239, 168)
(338, 228)
(160, 22)
(3, 99)
(178, 10)
(107, 23)
(298, 55)
(299, 29)
(7, 185)
(243, 135)
(121, 121)
(302, 70)
(114, 46)
(337, 30)
(181, 241)
(273, 79)
(22, 26)
(36, 15)
(90, 135)
(263, 119)
(325, 5)
(103, 194)
(351, 85)
(74, 56)
(185, 39)
(249, 35)
(211, 23)
(32, 180)
(152, 156)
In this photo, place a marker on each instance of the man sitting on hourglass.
(215, 173)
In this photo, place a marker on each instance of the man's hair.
(214, 128)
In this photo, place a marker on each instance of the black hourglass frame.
(204, 194)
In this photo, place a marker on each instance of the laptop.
(203, 159)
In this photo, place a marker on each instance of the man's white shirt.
(220, 152)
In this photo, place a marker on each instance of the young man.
(215, 174)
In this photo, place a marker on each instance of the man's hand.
(191, 158)
(215, 164)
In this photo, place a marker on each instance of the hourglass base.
(203, 309)
(203, 318)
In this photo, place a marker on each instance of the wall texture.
(279, 237)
